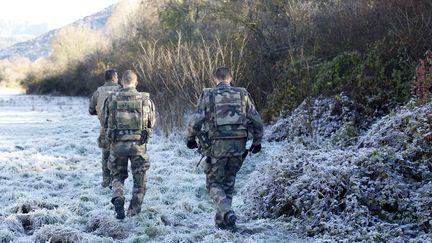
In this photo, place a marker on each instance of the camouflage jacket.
(99, 97)
(226, 113)
(124, 125)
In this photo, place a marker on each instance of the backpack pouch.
(128, 115)
(229, 109)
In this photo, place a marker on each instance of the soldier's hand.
(191, 144)
(255, 148)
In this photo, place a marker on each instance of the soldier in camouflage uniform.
(130, 119)
(224, 113)
(96, 108)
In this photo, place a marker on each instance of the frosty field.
(50, 174)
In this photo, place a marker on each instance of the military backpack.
(103, 93)
(227, 107)
(130, 114)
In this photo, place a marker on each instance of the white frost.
(50, 174)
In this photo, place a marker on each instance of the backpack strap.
(114, 110)
(208, 93)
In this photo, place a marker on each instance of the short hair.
(109, 74)
(222, 73)
(128, 77)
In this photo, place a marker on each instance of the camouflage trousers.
(104, 145)
(120, 154)
(220, 180)
(106, 173)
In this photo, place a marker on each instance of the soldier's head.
(111, 75)
(129, 79)
(222, 74)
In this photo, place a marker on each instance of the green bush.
(378, 80)
(291, 88)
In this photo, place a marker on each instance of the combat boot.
(221, 226)
(119, 208)
(230, 221)
(219, 221)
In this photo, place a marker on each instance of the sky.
(56, 13)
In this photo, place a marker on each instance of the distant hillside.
(40, 46)
(12, 32)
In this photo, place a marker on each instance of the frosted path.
(50, 175)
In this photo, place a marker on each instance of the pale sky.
(56, 13)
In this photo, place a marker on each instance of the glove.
(255, 148)
(192, 144)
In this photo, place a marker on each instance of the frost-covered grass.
(376, 189)
(50, 174)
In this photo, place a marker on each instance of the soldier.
(130, 117)
(226, 112)
(96, 108)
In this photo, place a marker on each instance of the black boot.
(230, 221)
(119, 209)
(221, 226)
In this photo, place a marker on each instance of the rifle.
(204, 145)
(199, 162)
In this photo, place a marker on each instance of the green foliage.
(377, 80)
(292, 87)
(173, 15)
(339, 74)
(346, 136)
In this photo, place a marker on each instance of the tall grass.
(175, 73)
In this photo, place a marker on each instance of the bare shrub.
(176, 73)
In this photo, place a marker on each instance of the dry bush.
(71, 45)
(176, 73)
(12, 71)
